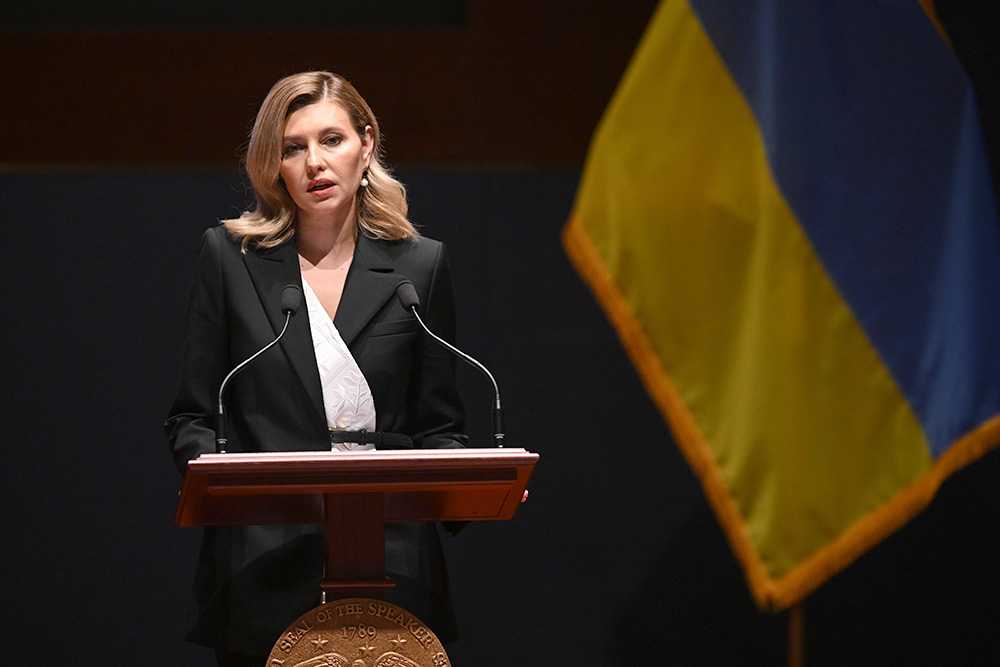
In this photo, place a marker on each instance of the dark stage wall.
(614, 560)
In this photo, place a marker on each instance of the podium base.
(334, 589)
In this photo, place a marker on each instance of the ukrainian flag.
(786, 213)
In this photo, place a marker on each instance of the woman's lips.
(320, 186)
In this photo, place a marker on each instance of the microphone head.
(407, 294)
(291, 299)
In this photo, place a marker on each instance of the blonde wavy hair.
(381, 205)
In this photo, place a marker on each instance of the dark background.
(120, 145)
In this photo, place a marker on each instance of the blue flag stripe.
(873, 137)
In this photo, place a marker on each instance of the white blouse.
(346, 395)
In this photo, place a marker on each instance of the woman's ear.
(368, 144)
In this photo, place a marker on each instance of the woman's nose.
(313, 160)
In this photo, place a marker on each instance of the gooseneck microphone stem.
(220, 427)
(407, 295)
(498, 433)
(291, 299)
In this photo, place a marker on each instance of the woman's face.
(322, 159)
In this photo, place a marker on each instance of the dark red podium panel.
(354, 493)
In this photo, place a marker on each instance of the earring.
(364, 178)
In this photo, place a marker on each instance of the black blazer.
(252, 582)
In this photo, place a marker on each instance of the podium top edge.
(506, 456)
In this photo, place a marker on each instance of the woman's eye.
(290, 149)
(333, 141)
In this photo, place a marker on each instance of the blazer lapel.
(371, 282)
(272, 269)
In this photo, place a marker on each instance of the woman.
(331, 219)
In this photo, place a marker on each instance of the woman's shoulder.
(219, 240)
(419, 250)
(219, 237)
(216, 240)
(216, 251)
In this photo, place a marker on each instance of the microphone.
(407, 295)
(291, 301)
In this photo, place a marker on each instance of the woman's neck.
(324, 244)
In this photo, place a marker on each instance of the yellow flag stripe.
(797, 431)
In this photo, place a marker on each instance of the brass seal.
(358, 632)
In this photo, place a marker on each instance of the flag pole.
(797, 635)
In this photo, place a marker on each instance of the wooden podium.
(354, 494)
